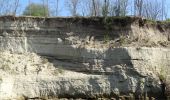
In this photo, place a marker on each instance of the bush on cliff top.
(36, 10)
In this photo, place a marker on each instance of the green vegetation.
(36, 10)
(162, 74)
(150, 21)
(58, 71)
(122, 39)
(108, 21)
(167, 20)
(106, 38)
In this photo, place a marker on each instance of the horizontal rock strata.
(81, 57)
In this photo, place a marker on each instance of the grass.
(106, 38)
(58, 71)
(123, 40)
(166, 21)
(162, 74)
(150, 21)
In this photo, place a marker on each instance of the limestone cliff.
(81, 57)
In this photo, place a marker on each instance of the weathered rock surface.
(82, 61)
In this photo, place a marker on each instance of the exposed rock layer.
(86, 56)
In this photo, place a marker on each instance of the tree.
(164, 10)
(46, 6)
(85, 7)
(91, 7)
(36, 10)
(152, 10)
(57, 6)
(105, 9)
(53, 6)
(112, 8)
(94, 8)
(16, 4)
(138, 5)
(9, 7)
(121, 7)
(73, 5)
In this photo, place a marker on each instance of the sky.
(62, 6)
(63, 9)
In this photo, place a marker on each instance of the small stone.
(59, 40)
(116, 91)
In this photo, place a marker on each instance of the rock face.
(81, 57)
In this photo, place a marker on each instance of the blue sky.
(63, 10)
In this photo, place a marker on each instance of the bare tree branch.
(73, 5)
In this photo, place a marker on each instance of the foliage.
(36, 10)
(165, 21)
(151, 21)
(162, 74)
(122, 39)
(9, 7)
(105, 8)
(58, 71)
(108, 21)
(106, 38)
(168, 20)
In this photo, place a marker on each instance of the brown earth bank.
(77, 57)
